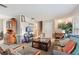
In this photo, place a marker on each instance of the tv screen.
(29, 29)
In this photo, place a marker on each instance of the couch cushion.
(69, 46)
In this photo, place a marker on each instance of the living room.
(39, 29)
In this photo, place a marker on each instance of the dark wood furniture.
(59, 35)
(43, 43)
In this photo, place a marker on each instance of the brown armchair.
(59, 35)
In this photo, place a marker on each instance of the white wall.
(1, 29)
(25, 24)
(63, 20)
(48, 28)
(3, 19)
(76, 25)
(21, 26)
(1, 25)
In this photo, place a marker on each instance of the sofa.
(67, 49)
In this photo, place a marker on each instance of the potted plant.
(67, 27)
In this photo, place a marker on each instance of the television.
(29, 29)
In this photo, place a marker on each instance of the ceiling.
(41, 11)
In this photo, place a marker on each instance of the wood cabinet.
(43, 45)
(11, 38)
(11, 31)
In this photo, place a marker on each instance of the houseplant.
(67, 27)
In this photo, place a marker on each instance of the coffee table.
(43, 43)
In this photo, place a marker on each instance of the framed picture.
(23, 18)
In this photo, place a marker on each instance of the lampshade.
(63, 31)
